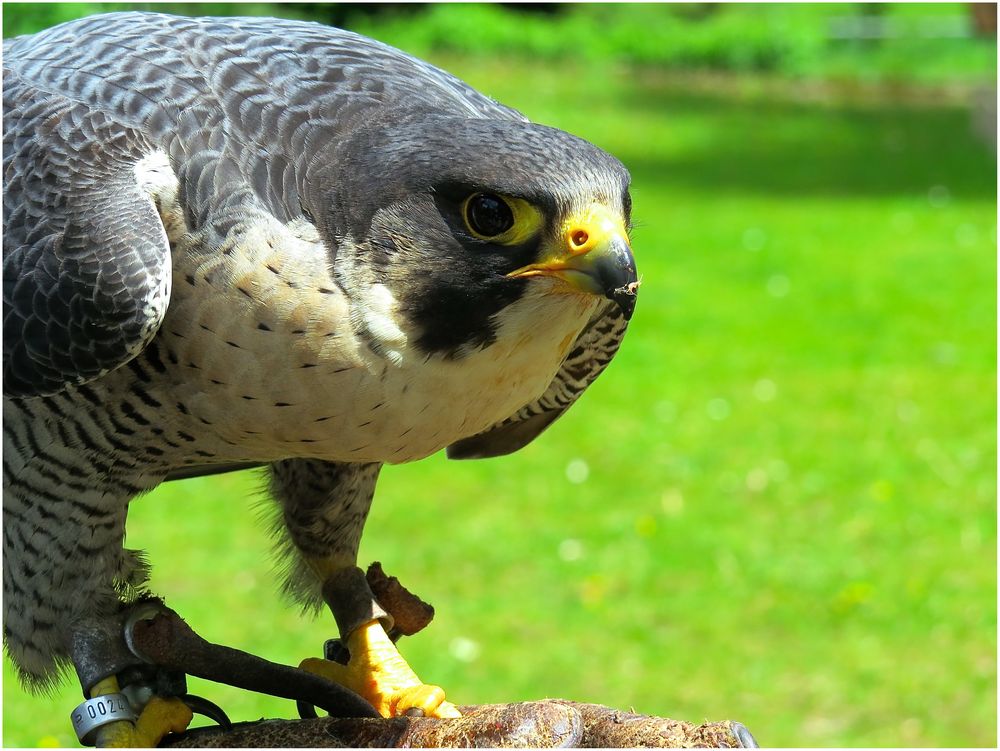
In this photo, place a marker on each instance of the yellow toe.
(377, 672)
(428, 699)
(160, 716)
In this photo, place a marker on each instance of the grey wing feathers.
(243, 108)
(86, 268)
(593, 350)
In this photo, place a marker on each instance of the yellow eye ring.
(494, 218)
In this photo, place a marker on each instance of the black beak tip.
(625, 296)
(617, 275)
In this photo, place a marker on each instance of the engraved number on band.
(106, 705)
(93, 713)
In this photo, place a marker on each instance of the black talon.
(334, 650)
(208, 709)
(306, 710)
(745, 738)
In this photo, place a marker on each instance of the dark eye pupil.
(489, 215)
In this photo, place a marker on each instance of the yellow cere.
(583, 231)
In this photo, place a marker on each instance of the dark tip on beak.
(597, 261)
(626, 297)
(616, 272)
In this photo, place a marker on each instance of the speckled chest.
(273, 349)
(263, 357)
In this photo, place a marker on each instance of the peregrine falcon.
(234, 242)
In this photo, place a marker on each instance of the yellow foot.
(159, 717)
(379, 673)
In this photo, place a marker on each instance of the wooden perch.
(543, 724)
(555, 723)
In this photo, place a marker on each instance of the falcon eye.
(488, 215)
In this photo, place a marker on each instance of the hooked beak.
(592, 254)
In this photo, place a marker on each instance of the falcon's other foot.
(159, 717)
(377, 671)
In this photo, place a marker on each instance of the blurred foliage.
(895, 41)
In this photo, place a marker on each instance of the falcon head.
(460, 218)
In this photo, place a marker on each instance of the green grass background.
(777, 506)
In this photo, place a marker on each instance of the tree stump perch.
(167, 641)
(542, 724)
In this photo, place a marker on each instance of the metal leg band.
(98, 712)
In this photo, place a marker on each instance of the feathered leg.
(324, 507)
(67, 580)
